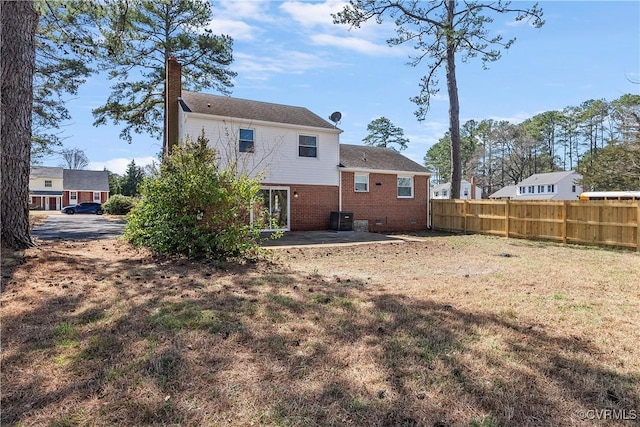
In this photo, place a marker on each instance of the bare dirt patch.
(442, 331)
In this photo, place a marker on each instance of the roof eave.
(259, 122)
(383, 171)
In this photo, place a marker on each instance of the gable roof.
(225, 106)
(51, 172)
(547, 178)
(364, 157)
(447, 185)
(75, 179)
(506, 191)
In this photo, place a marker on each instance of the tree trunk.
(454, 105)
(17, 34)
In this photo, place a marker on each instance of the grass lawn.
(441, 331)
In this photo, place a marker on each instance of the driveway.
(78, 227)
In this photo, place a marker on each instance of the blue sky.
(291, 53)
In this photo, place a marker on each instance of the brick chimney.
(173, 91)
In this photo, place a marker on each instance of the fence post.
(638, 224)
(565, 208)
(506, 218)
(464, 214)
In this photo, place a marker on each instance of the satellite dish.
(335, 117)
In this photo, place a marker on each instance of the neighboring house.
(443, 191)
(550, 186)
(45, 188)
(51, 188)
(85, 186)
(305, 173)
(506, 193)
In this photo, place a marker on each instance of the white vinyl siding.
(275, 150)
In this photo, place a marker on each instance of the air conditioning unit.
(341, 221)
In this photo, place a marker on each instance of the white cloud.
(356, 44)
(238, 30)
(313, 14)
(256, 67)
(119, 166)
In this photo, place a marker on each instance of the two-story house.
(305, 173)
(51, 188)
(45, 188)
(443, 191)
(550, 186)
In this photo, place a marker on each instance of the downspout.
(339, 189)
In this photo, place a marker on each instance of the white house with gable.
(549, 186)
(443, 191)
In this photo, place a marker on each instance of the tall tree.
(64, 51)
(140, 36)
(74, 158)
(18, 20)
(132, 179)
(383, 133)
(440, 30)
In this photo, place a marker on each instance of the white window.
(466, 192)
(307, 146)
(73, 197)
(530, 189)
(550, 188)
(540, 188)
(436, 193)
(246, 144)
(444, 193)
(521, 190)
(48, 183)
(361, 182)
(405, 186)
(573, 188)
(96, 196)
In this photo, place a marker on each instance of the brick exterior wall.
(83, 196)
(381, 205)
(311, 209)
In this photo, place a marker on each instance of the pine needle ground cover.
(438, 331)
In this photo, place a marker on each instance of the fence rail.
(603, 223)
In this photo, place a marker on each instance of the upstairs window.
(307, 146)
(550, 188)
(573, 188)
(405, 187)
(246, 141)
(540, 188)
(48, 183)
(521, 190)
(530, 189)
(361, 182)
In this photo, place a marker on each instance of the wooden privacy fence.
(605, 223)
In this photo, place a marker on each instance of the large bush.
(195, 209)
(118, 205)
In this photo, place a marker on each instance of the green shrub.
(118, 205)
(195, 209)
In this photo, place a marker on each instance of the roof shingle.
(74, 179)
(377, 158)
(225, 106)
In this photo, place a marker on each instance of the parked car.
(84, 207)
